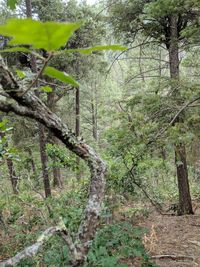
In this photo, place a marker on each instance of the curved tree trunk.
(29, 105)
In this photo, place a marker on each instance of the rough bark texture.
(31, 106)
(185, 203)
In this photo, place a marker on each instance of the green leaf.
(89, 50)
(16, 49)
(61, 76)
(47, 35)
(3, 125)
(20, 74)
(46, 89)
(11, 4)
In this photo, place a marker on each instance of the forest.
(99, 133)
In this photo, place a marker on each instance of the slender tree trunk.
(94, 122)
(77, 130)
(31, 160)
(94, 115)
(185, 203)
(11, 169)
(13, 176)
(57, 180)
(41, 132)
(43, 157)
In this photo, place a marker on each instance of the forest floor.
(173, 241)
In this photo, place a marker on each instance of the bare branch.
(176, 116)
(38, 75)
(133, 47)
(144, 72)
(33, 249)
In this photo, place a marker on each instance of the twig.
(173, 257)
(38, 75)
(176, 116)
(144, 72)
(133, 47)
(54, 84)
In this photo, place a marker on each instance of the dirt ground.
(174, 241)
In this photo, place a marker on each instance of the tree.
(29, 105)
(11, 169)
(41, 130)
(163, 21)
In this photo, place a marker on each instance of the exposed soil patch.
(174, 240)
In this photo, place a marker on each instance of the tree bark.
(185, 203)
(44, 160)
(29, 105)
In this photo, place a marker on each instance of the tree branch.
(38, 75)
(176, 116)
(33, 249)
(31, 106)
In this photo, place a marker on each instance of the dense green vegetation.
(120, 77)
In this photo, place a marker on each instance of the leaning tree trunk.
(29, 105)
(185, 203)
(41, 129)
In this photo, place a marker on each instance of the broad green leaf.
(46, 89)
(20, 74)
(47, 35)
(89, 50)
(11, 4)
(16, 49)
(61, 76)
